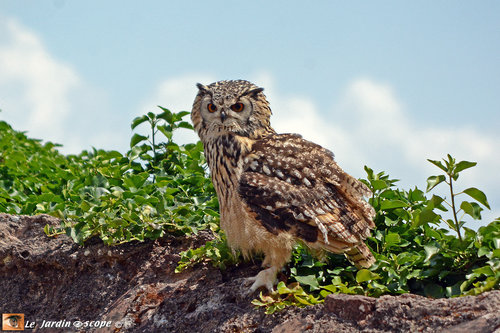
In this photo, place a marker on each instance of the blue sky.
(382, 83)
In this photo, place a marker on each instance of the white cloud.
(46, 97)
(34, 87)
(384, 131)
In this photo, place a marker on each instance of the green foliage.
(452, 171)
(414, 255)
(285, 296)
(153, 189)
(217, 252)
(160, 187)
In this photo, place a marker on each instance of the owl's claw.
(266, 278)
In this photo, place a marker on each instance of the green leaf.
(451, 162)
(46, 229)
(136, 138)
(406, 257)
(364, 275)
(182, 114)
(392, 239)
(166, 130)
(369, 172)
(451, 224)
(258, 303)
(462, 165)
(433, 181)
(439, 165)
(478, 195)
(485, 270)
(308, 280)
(416, 195)
(482, 251)
(185, 124)
(166, 115)
(425, 216)
(282, 288)
(436, 202)
(138, 120)
(379, 184)
(430, 250)
(390, 204)
(113, 154)
(472, 209)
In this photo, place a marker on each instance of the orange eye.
(211, 107)
(238, 107)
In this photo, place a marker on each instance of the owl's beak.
(223, 116)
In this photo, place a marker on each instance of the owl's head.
(225, 107)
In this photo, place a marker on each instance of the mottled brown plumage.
(275, 189)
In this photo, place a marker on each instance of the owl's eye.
(211, 107)
(238, 107)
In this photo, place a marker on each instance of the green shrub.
(160, 187)
(153, 189)
(414, 254)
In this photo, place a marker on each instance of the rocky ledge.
(133, 288)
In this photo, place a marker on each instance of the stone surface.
(350, 307)
(134, 287)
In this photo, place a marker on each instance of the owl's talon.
(266, 278)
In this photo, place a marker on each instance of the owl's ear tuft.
(254, 92)
(202, 88)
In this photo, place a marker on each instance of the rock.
(413, 313)
(350, 307)
(134, 288)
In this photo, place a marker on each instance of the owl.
(275, 190)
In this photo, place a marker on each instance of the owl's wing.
(293, 185)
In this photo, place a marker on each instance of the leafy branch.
(452, 171)
(166, 123)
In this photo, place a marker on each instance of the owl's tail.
(360, 255)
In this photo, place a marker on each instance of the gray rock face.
(134, 288)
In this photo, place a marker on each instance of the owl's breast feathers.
(292, 185)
